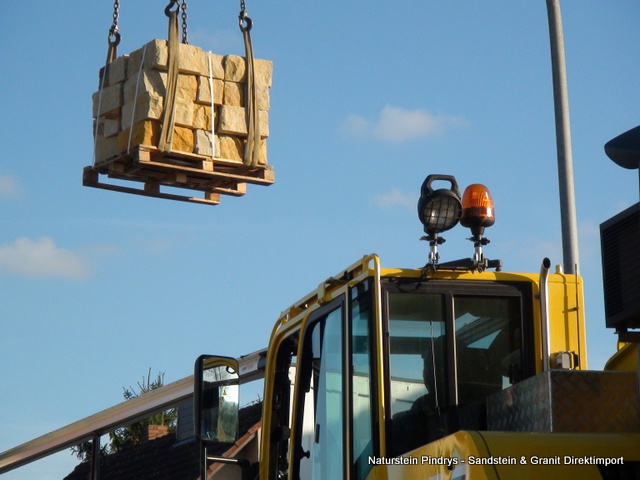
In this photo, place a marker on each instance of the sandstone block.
(155, 81)
(155, 57)
(187, 87)
(231, 148)
(263, 98)
(183, 111)
(117, 70)
(203, 144)
(108, 127)
(110, 100)
(202, 117)
(215, 68)
(233, 121)
(151, 81)
(263, 72)
(106, 148)
(147, 106)
(146, 132)
(204, 91)
(183, 139)
(234, 94)
(262, 159)
(192, 60)
(234, 69)
(264, 124)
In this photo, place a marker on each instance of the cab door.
(333, 431)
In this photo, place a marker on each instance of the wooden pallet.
(154, 169)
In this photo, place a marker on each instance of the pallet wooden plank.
(91, 178)
(155, 169)
(263, 176)
(229, 187)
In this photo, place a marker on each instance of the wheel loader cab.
(373, 366)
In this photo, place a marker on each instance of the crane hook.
(245, 21)
(167, 9)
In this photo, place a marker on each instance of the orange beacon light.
(477, 209)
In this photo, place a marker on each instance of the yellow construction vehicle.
(451, 371)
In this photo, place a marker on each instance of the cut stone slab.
(232, 121)
(147, 106)
(109, 101)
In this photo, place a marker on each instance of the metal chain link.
(183, 7)
(114, 34)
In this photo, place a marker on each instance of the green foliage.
(133, 434)
(124, 437)
(84, 450)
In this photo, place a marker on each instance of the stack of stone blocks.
(132, 100)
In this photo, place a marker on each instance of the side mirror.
(216, 399)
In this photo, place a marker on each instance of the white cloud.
(357, 126)
(399, 124)
(9, 186)
(395, 198)
(41, 258)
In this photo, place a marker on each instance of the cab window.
(450, 345)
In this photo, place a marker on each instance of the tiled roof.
(159, 459)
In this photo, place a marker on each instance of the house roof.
(163, 458)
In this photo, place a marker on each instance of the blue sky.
(97, 287)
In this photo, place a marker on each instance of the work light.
(439, 210)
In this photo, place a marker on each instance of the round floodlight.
(439, 210)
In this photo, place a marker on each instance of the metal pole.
(95, 457)
(563, 140)
(203, 460)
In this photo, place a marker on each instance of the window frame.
(303, 380)
(450, 289)
(373, 376)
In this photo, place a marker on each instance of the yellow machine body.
(341, 381)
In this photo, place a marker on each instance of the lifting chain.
(114, 34)
(180, 5)
(185, 39)
(244, 20)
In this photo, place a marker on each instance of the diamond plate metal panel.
(568, 401)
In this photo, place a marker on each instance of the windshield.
(448, 351)
(417, 342)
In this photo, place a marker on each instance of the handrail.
(124, 413)
(544, 313)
